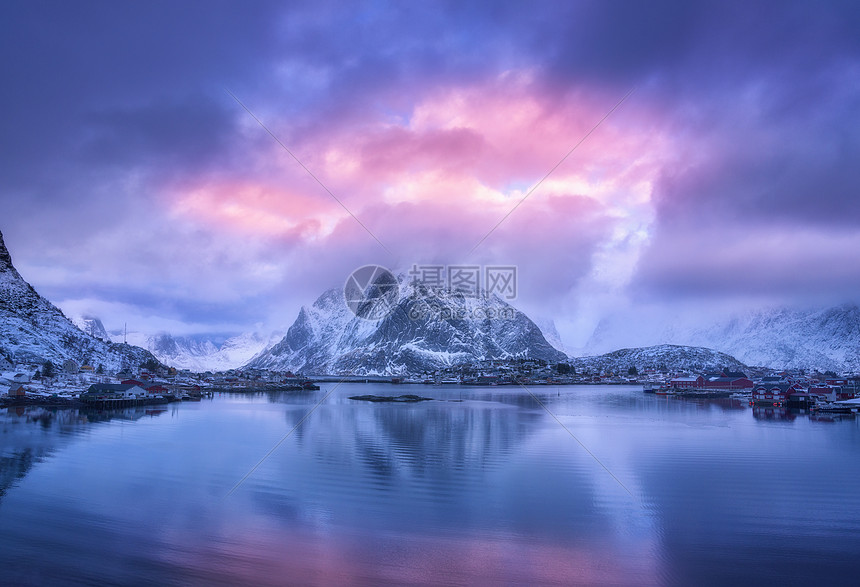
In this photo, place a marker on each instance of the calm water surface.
(481, 485)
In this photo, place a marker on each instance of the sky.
(197, 167)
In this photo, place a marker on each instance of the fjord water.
(607, 485)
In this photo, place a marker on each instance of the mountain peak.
(423, 332)
(5, 257)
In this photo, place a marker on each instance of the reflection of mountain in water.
(414, 465)
(33, 434)
(407, 440)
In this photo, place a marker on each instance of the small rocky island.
(390, 398)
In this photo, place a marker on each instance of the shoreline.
(71, 403)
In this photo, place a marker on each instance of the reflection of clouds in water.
(488, 488)
(299, 556)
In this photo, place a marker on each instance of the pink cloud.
(431, 184)
(393, 152)
(507, 130)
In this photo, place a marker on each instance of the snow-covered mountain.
(826, 339)
(33, 330)
(203, 353)
(327, 338)
(781, 338)
(672, 357)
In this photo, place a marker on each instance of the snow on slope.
(824, 339)
(33, 330)
(550, 333)
(781, 338)
(92, 326)
(327, 338)
(673, 357)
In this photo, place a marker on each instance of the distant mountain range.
(328, 338)
(204, 352)
(198, 353)
(33, 330)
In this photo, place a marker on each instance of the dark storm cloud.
(694, 47)
(177, 304)
(192, 132)
(140, 71)
(106, 84)
(146, 65)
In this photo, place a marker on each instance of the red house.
(17, 390)
(729, 383)
(697, 382)
(773, 393)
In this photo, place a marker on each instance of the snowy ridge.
(327, 338)
(668, 356)
(33, 330)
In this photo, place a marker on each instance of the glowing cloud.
(439, 178)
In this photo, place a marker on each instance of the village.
(759, 386)
(70, 383)
(73, 384)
